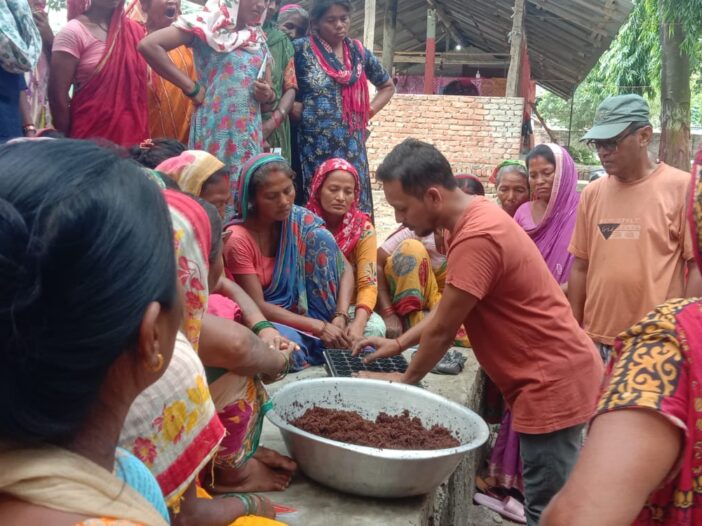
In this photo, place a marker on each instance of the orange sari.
(169, 109)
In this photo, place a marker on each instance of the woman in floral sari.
(335, 194)
(641, 463)
(276, 124)
(233, 66)
(173, 426)
(96, 54)
(333, 73)
(285, 259)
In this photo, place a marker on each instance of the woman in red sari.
(642, 461)
(96, 54)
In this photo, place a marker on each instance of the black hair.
(153, 152)
(470, 185)
(320, 8)
(259, 177)
(85, 245)
(417, 165)
(215, 226)
(215, 178)
(541, 151)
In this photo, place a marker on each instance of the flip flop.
(509, 508)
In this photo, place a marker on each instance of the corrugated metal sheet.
(565, 37)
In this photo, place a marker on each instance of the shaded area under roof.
(565, 38)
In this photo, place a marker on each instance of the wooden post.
(518, 38)
(369, 25)
(389, 26)
(430, 53)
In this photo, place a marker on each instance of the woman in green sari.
(276, 125)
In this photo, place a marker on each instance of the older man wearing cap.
(632, 248)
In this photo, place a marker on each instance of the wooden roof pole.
(389, 29)
(369, 24)
(446, 21)
(517, 37)
(431, 53)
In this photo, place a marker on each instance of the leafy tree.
(658, 54)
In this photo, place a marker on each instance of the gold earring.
(158, 366)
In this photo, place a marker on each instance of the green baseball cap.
(615, 114)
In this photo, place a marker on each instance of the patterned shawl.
(193, 241)
(172, 426)
(20, 42)
(191, 169)
(215, 24)
(351, 75)
(351, 228)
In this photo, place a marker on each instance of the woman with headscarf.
(549, 218)
(88, 321)
(334, 197)
(234, 67)
(276, 124)
(202, 174)
(95, 55)
(294, 21)
(646, 435)
(285, 259)
(333, 72)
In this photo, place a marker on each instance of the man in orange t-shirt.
(631, 242)
(518, 320)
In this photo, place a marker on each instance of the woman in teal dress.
(233, 65)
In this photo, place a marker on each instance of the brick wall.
(474, 133)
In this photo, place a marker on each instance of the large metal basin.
(365, 470)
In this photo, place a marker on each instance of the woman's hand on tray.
(334, 337)
(384, 348)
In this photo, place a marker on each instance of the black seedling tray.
(341, 363)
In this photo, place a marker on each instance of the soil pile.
(389, 432)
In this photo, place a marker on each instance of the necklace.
(105, 28)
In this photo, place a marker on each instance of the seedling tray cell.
(341, 363)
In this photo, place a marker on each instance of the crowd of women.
(148, 296)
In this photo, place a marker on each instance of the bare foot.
(275, 460)
(254, 476)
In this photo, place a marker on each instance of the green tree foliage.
(633, 65)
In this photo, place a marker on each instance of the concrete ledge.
(449, 505)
